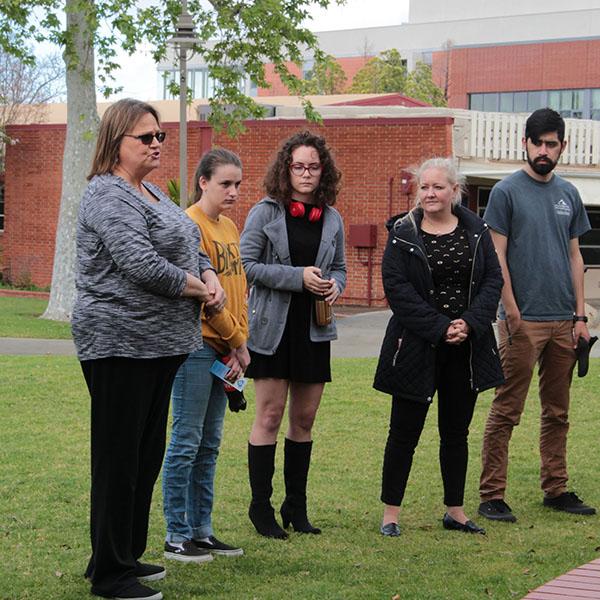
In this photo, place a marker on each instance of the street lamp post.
(183, 42)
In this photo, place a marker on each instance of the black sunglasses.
(146, 138)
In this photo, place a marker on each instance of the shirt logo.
(562, 208)
(228, 262)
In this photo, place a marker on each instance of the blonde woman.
(442, 280)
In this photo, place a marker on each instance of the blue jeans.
(199, 403)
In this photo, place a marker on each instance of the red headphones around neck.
(297, 210)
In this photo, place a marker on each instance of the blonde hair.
(443, 164)
(118, 119)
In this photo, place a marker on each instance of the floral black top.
(449, 257)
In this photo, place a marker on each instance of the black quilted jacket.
(406, 365)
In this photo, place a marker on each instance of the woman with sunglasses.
(293, 252)
(140, 284)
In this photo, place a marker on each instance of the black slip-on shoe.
(496, 510)
(148, 572)
(215, 546)
(138, 591)
(186, 552)
(569, 502)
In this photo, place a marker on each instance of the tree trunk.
(82, 126)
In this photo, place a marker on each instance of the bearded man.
(536, 218)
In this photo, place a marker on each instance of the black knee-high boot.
(261, 465)
(295, 472)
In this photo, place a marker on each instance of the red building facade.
(371, 154)
(514, 68)
(351, 66)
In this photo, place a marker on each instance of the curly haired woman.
(293, 251)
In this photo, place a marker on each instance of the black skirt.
(297, 358)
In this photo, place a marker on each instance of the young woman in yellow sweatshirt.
(199, 398)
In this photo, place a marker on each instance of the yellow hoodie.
(221, 242)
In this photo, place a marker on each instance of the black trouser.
(130, 405)
(456, 402)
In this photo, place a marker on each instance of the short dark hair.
(277, 180)
(544, 120)
(209, 163)
(118, 119)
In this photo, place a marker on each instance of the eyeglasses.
(146, 138)
(299, 169)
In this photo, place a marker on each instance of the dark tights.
(456, 402)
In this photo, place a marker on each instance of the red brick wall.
(351, 65)
(518, 67)
(33, 186)
(1, 230)
(369, 152)
(32, 196)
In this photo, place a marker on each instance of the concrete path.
(359, 335)
(27, 346)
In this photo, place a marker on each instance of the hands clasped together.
(457, 332)
(313, 282)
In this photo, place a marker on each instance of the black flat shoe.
(469, 527)
(390, 530)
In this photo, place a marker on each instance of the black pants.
(130, 405)
(456, 402)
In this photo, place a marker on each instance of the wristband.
(581, 318)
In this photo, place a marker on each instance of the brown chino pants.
(551, 344)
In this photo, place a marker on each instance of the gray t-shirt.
(132, 259)
(539, 220)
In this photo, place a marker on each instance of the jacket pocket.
(257, 304)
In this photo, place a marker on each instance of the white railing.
(497, 136)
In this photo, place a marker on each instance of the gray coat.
(266, 257)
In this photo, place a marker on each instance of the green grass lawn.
(44, 484)
(19, 317)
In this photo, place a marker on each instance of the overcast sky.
(138, 74)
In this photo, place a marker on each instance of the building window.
(520, 101)
(490, 102)
(506, 102)
(535, 100)
(572, 104)
(427, 58)
(590, 242)
(569, 103)
(167, 78)
(308, 67)
(201, 83)
(476, 101)
(483, 196)
(595, 105)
